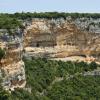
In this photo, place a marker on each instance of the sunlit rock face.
(62, 38)
(12, 67)
(48, 38)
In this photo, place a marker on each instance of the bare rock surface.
(55, 39)
(59, 38)
(12, 68)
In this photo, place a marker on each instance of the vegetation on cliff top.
(30, 15)
(50, 15)
(13, 21)
(9, 23)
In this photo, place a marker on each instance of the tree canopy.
(29, 15)
(57, 80)
(13, 21)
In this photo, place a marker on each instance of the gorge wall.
(12, 67)
(60, 38)
(48, 38)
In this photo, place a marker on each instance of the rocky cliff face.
(62, 38)
(12, 68)
(49, 38)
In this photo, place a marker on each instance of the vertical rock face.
(12, 68)
(40, 33)
(63, 37)
(54, 38)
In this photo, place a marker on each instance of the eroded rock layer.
(58, 39)
(62, 38)
(12, 66)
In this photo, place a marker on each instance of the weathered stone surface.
(62, 38)
(12, 68)
(14, 76)
(59, 39)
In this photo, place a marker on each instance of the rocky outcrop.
(62, 38)
(14, 76)
(12, 67)
(77, 39)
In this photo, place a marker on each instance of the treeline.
(13, 21)
(50, 15)
(11, 24)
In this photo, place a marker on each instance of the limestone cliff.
(62, 38)
(12, 68)
(50, 38)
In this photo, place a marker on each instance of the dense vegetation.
(57, 80)
(29, 15)
(8, 22)
(78, 88)
(11, 22)
(52, 80)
